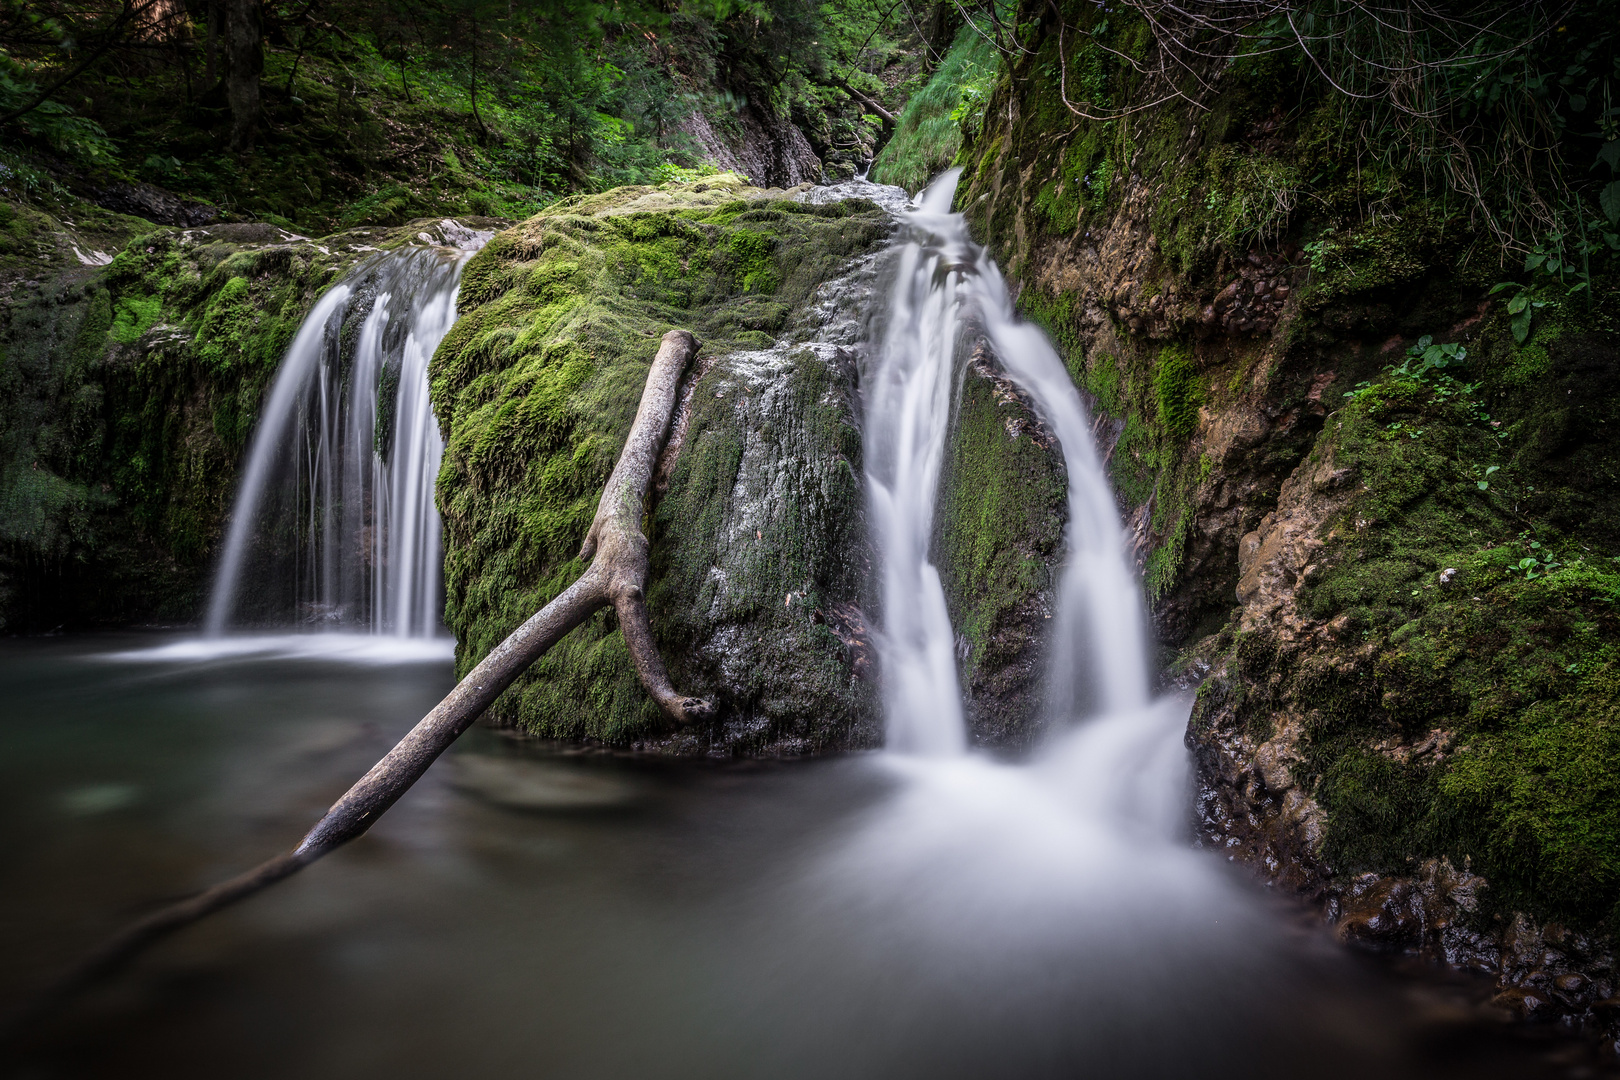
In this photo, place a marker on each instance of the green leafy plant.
(1430, 356)
(1522, 305)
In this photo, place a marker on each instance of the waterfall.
(908, 415)
(945, 289)
(334, 522)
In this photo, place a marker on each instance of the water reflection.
(527, 911)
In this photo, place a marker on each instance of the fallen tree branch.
(618, 551)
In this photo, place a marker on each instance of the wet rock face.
(155, 204)
(1253, 301)
(769, 150)
(758, 542)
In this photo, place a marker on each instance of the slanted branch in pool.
(617, 550)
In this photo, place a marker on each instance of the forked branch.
(618, 552)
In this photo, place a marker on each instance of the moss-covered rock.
(757, 538)
(1400, 713)
(130, 386)
(998, 543)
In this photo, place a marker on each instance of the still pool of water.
(526, 911)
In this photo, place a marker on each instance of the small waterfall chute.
(908, 414)
(946, 289)
(334, 524)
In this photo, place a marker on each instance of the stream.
(926, 911)
(527, 910)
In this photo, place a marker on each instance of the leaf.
(1503, 285)
(1534, 259)
(1609, 200)
(1610, 155)
(1492, 469)
(1483, 485)
(1518, 303)
(1521, 327)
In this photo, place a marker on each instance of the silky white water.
(334, 524)
(947, 290)
(1084, 848)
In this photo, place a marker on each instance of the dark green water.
(525, 912)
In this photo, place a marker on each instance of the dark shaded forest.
(318, 114)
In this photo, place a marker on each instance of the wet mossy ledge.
(1378, 522)
(133, 360)
(757, 539)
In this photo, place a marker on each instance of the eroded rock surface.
(758, 542)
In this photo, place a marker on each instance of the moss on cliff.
(1216, 282)
(131, 389)
(999, 537)
(535, 388)
(1459, 700)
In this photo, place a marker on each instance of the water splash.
(334, 523)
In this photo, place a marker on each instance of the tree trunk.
(617, 575)
(211, 67)
(244, 63)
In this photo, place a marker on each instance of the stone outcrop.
(1385, 571)
(758, 546)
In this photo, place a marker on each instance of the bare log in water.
(617, 575)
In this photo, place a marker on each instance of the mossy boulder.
(757, 533)
(999, 545)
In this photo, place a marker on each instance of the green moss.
(1501, 638)
(1001, 505)
(1178, 391)
(754, 266)
(136, 314)
(536, 387)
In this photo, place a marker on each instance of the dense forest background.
(319, 114)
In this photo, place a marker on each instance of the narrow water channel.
(530, 912)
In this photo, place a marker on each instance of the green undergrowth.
(537, 384)
(1472, 581)
(930, 129)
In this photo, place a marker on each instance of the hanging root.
(617, 575)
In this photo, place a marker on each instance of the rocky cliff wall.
(1377, 526)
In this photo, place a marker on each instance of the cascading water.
(334, 523)
(908, 415)
(945, 288)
